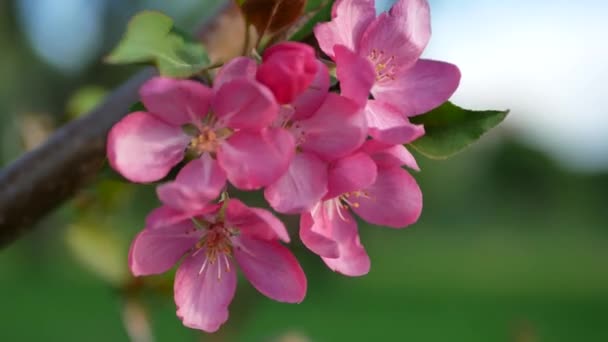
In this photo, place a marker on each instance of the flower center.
(385, 65)
(217, 245)
(205, 141)
(208, 140)
(349, 199)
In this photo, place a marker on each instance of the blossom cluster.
(276, 126)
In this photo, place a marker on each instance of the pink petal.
(301, 187)
(177, 102)
(255, 222)
(308, 102)
(202, 298)
(350, 174)
(414, 20)
(288, 69)
(351, 19)
(398, 36)
(143, 148)
(316, 239)
(395, 200)
(253, 160)
(388, 125)
(271, 269)
(353, 260)
(245, 104)
(167, 216)
(420, 89)
(156, 250)
(337, 128)
(236, 68)
(356, 74)
(197, 184)
(387, 156)
(325, 227)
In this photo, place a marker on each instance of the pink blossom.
(334, 131)
(213, 239)
(229, 122)
(377, 189)
(383, 53)
(288, 70)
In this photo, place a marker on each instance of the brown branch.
(42, 179)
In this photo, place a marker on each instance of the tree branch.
(43, 178)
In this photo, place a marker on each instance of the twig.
(45, 177)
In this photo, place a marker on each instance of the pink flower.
(288, 70)
(377, 189)
(383, 53)
(212, 240)
(334, 131)
(228, 122)
(325, 127)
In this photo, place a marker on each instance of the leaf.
(151, 37)
(316, 11)
(269, 16)
(450, 129)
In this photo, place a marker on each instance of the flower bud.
(288, 69)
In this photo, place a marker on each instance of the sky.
(545, 60)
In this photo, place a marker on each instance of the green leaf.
(137, 107)
(151, 37)
(316, 11)
(450, 129)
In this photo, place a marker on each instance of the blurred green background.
(511, 245)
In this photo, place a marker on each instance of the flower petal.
(255, 222)
(308, 102)
(337, 128)
(315, 238)
(288, 69)
(253, 160)
(399, 36)
(245, 104)
(350, 19)
(356, 74)
(414, 20)
(156, 250)
(351, 174)
(353, 260)
(197, 184)
(271, 269)
(236, 68)
(387, 156)
(325, 227)
(395, 200)
(388, 125)
(167, 216)
(176, 102)
(301, 187)
(422, 88)
(203, 298)
(143, 148)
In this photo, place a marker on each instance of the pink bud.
(288, 69)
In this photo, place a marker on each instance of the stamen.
(204, 266)
(339, 208)
(385, 66)
(227, 263)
